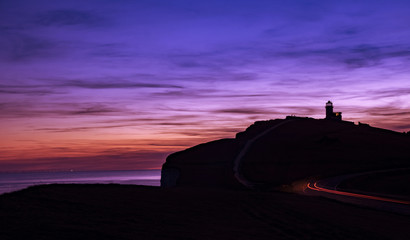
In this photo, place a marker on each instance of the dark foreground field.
(393, 184)
(136, 212)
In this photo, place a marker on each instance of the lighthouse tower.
(330, 115)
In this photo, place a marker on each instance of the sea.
(10, 182)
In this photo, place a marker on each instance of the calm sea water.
(10, 182)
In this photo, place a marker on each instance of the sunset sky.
(105, 84)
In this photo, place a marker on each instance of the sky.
(120, 84)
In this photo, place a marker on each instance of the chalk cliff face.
(275, 152)
(208, 164)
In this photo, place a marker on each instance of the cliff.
(276, 152)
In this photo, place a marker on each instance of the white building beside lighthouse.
(330, 115)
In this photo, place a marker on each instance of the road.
(237, 166)
(327, 188)
(314, 186)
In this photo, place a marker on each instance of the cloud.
(389, 116)
(68, 17)
(392, 92)
(82, 129)
(203, 132)
(357, 56)
(244, 111)
(36, 109)
(151, 119)
(112, 84)
(18, 47)
(29, 89)
(110, 159)
(26, 38)
(347, 30)
(384, 93)
(95, 110)
(267, 54)
(403, 127)
(207, 93)
(388, 112)
(113, 51)
(7, 90)
(60, 86)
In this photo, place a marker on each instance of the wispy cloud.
(19, 47)
(68, 17)
(36, 110)
(245, 111)
(113, 84)
(11, 90)
(82, 129)
(56, 86)
(108, 160)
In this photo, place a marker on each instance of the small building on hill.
(330, 115)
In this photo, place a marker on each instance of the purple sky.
(120, 84)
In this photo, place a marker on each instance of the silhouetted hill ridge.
(287, 150)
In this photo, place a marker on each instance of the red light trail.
(356, 195)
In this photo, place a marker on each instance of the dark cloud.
(189, 64)
(402, 127)
(97, 126)
(6, 28)
(110, 159)
(364, 56)
(387, 111)
(204, 132)
(67, 17)
(30, 89)
(59, 86)
(357, 56)
(163, 123)
(186, 93)
(18, 47)
(27, 109)
(164, 120)
(387, 93)
(113, 50)
(209, 93)
(389, 116)
(300, 110)
(292, 82)
(40, 92)
(348, 30)
(245, 111)
(95, 110)
(149, 119)
(229, 61)
(114, 83)
(82, 129)
(90, 109)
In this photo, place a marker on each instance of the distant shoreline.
(16, 181)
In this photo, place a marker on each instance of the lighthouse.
(330, 115)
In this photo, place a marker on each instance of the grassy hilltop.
(299, 148)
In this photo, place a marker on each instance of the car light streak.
(321, 189)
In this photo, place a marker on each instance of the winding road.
(328, 188)
(237, 166)
(314, 186)
(325, 187)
